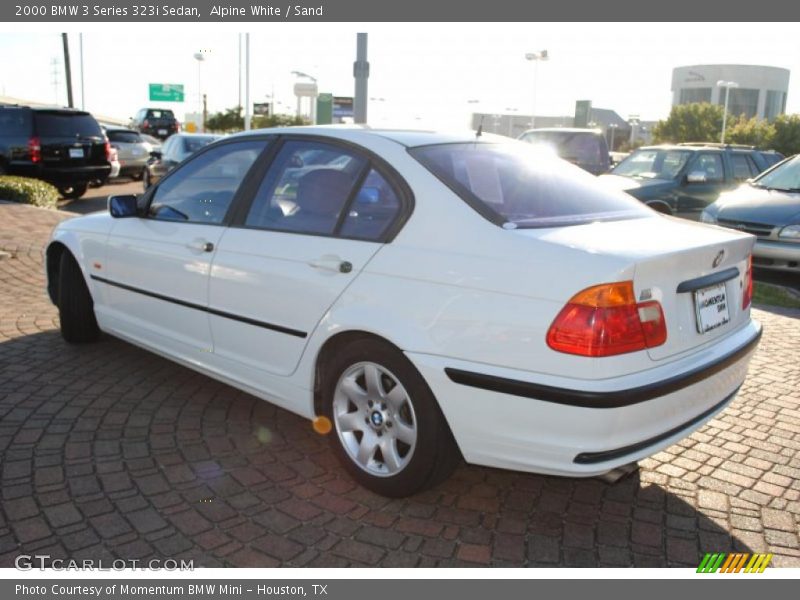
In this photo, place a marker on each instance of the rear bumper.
(784, 256)
(508, 419)
(62, 175)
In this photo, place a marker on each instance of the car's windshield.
(784, 177)
(520, 186)
(575, 146)
(653, 163)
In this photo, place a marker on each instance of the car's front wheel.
(75, 304)
(388, 430)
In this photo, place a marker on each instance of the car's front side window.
(203, 189)
(709, 165)
(307, 188)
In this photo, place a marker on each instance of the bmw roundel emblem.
(377, 418)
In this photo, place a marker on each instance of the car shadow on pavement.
(111, 452)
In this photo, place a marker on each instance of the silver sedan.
(132, 149)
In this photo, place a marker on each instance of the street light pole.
(727, 85)
(535, 57)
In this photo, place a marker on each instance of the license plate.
(76, 152)
(711, 306)
(162, 132)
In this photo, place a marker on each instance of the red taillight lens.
(177, 127)
(35, 150)
(108, 151)
(605, 320)
(145, 123)
(747, 296)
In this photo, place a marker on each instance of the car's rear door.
(308, 231)
(155, 280)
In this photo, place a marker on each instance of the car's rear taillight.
(108, 150)
(177, 127)
(605, 320)
(145, 123)
(35, 150)
(747, 295)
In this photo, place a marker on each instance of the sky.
(421, 74)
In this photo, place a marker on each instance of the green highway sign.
(166, 92)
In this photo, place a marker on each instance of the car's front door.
(156, 271)
(319, 215)
(702, 184)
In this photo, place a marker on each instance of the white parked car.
(430, 296)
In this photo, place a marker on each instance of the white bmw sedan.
(423, 296)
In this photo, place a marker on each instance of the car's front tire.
(75, 304)
(388, 430)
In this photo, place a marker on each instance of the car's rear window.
(15, 122)
(124, 137)
(64, 124)
(519, 186)
(160, 114)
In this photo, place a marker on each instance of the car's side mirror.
(696, 177)
(156, 154)
(124, 206)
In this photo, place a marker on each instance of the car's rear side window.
(15, 122)
(518, 186)
(64, 124)
(124, 137)
(307, 188)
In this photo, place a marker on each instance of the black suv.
(682, 179)
(158, 122)
(62, 146)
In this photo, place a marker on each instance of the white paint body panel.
(451, 290)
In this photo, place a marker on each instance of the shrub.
(28, 191)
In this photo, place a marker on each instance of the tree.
(697, 122)
(752, 132)
(786, 139)
(231, 120)
(226, 121)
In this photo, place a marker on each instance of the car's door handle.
(331, 263)
(201, 246)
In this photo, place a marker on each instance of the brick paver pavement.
(109, 451)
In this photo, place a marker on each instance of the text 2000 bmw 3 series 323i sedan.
(432, 296)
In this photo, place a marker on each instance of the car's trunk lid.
(673, 261)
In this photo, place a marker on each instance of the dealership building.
(755, 91)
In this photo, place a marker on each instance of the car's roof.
(407, 137)
(564, 130)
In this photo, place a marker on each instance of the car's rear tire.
(388, 430)
(74, 191)
(75, 304)
(138, 175)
